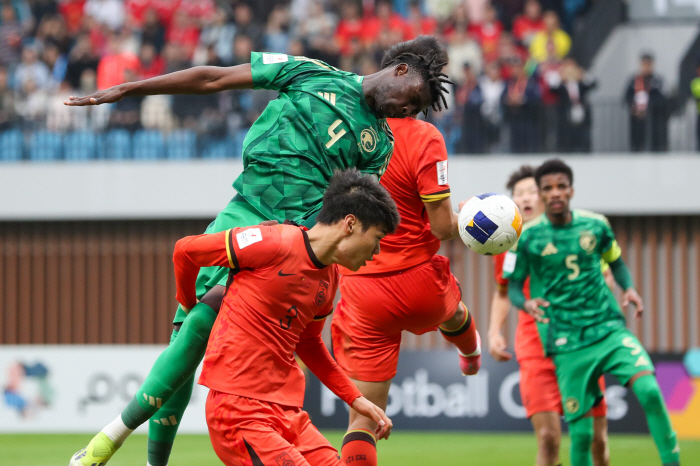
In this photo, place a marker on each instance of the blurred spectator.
(441, 10)
(220, 34)
(277, 30)
(11, 33)
(477, 11)
(31, 69)
(483, 116)
(647, 104)
(463, 49)
(8, 113)
(419, 24)
(113, 65)
(243, 17)
(552, 41)
(57, 63)
(317, 30)
(41, 9)
(695, 91)
(135, 11)
(529, 23)
(200, 11)
(574, 115)
(72, 12)
(183, 33)
(488, 33)
(153, 31)
(385, 21)
(59, 117)
(52, 29)
(126, 114)
(521, 99)
(108, 12)
(80, 58)
(349, 28)
(151, 64)
(509, 50)
(31, 104)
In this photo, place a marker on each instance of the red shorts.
(248, 432)
(375, 309)
(539, 389)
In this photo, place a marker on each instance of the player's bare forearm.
(444, 222)
(198, 80)
(500, 305)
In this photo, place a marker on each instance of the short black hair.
(525, 171)
(426, 56)
(352, 193)
(553, 166)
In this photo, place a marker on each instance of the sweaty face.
(359, 247)
(556, 192)
(402, 95)
(527, 198)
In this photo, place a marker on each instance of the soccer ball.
(490, 223)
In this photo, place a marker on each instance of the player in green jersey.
(581, 324)
(323, 120)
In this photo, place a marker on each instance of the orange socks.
(359, 448)
(464, 338)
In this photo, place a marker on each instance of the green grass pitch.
(404, 448)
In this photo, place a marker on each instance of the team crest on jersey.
(587, 241)
(368, 139)
(571, 405)
(322, 293)
(284, 460)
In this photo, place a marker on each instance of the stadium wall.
(111, 281)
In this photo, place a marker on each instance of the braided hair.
(426, 56)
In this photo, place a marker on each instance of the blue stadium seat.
(181, 145)
(44, 146)
(219, 148)
(148, 145)
(116, 145)
(11, 145)
(79, 146)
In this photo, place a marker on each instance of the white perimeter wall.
(608, 183)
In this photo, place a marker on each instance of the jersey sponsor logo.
(322, 293)
(571, 405)
(509, 262)
(270, 58)
(442, 172)
(587, 241)
(549, 250)
(329, 96)
(284, 460)
(248, 237)
(368, 139)
(282, 274)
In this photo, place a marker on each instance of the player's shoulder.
(418, 130)
(591, 217)
(267, 235)
(534, 224)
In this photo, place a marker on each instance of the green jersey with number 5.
(564, 265)
(319, 123)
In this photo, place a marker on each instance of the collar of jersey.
(573, 219)
(314, 260)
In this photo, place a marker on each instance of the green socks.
(649, 395)
(581, 432)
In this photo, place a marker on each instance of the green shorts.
(620, 354)
(238, 213)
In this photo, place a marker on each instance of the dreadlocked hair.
(426, 56)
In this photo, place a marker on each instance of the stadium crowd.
(508, 59)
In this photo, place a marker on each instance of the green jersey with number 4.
(319, 123)
(563, 263)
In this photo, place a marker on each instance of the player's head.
(523, 190)
(415, 82)
(361, 212)
(555, 181)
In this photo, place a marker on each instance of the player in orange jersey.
(406, 287)
(285, 281)
(538, 382)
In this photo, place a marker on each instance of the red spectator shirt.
(346, 32)
(417, 173)
(488, 36)
(275, 307)
(524, 28)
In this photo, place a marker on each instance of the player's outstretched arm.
(531, 306)
(444, 222)
(198, 80)
(623, 277)
(369, 410)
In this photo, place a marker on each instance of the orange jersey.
(527, 338)
(417, 173)
(275, 307)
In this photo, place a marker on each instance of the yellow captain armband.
(229, 249)
(604, 267)
(438, 196)
(612, 254)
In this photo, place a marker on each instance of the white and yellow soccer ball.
(490, 223)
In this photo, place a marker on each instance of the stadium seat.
(116, 145)
(11, 145)
(79, 146)
(44, 146)
(148, 145)
(181, 145)
(217, 148)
